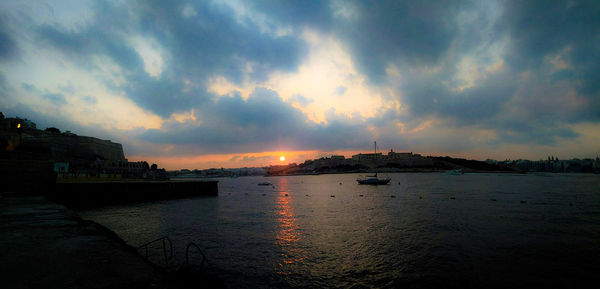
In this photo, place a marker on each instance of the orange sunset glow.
(236, 160)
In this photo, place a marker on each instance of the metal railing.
(164, 240)
(204, 259)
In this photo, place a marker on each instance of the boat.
(265, 184)
(455, 172)
(373, 180)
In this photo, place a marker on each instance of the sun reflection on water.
(288, 233)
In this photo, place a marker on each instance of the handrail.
(164, 240)
(187, 257)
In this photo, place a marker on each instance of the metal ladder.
(164, 240)
(204, 259)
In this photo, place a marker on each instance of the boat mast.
(375, 146)
(375, 155)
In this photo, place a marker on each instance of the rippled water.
(422, 231)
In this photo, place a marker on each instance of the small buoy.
(452, 198)
(392, 196)
(361, 195)
(398, 182)
(523, 202)
(333, 196)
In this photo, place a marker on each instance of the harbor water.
(423, 230)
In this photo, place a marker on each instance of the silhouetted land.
(422, 164)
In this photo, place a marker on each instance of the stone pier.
(45, 245)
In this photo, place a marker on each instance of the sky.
(201, 84)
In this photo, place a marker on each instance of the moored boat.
(373, 180)
(454, 172)
(265, 184)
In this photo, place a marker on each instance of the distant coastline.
(414, 163)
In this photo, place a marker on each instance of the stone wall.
(64, 147)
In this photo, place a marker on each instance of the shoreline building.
(66, 153)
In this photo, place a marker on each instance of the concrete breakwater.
(35, 177)
(95, 194)
(45, 245)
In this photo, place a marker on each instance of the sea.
(423, 230)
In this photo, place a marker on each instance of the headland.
(82, 171)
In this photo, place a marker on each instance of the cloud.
(300, 99)
(243, 77)
(4, 86)
(340, 90)
(89, 99)
(263, 122)
(563, 32)
(397, 31)
(8, 46)
(56, 98)
(29, 87)
(259, 158)
(68, 88)
(197, 46)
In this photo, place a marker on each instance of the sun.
(281, 158)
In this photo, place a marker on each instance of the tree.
(154, 167)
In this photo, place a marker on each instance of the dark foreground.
(44, 245)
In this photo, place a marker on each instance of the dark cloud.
(536, 34)
(56, 98)
(429, 97)
(534, 133)
(4, 86)
(568, 31)
(539, 28)
(254, 158)
(528, 71)
(210, 43)
(8, 45)
(263, 122)
(297, 13)
(406, 32)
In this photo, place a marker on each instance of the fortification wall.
(68, 147)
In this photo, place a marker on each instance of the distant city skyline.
(201, 84)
